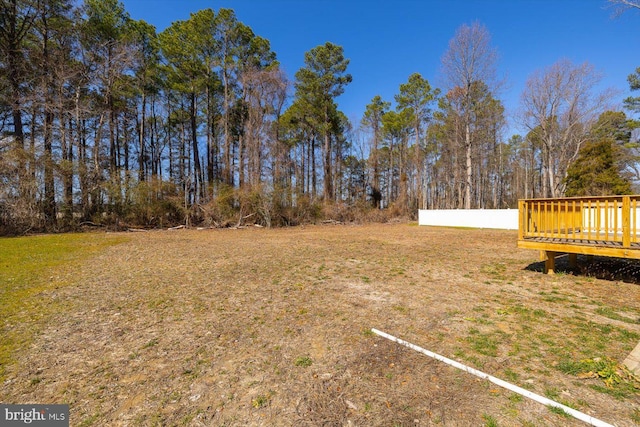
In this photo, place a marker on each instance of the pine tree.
(372, 119)
(319, 82)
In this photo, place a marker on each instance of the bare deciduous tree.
(625, 4)
(265, 94)
(470, 59)
(558, 106)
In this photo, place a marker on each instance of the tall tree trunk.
(241, 160)
(49, 205)
(469, 168)
(210, 138)
(141, 140)
(228, 171)
(303, 170)
(16, 112)
(81, 144)
(169, 138)
(67, 161)
(12, 38)
(312, 164)
(125, 139)
(328, 178)
(113, 162)
(194, 141)
(403, 176)
(376, 195)
(157, 147)
(546, 166)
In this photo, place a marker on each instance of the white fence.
(506, 219)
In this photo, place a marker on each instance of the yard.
(256, 326)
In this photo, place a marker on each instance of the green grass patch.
(553, 298)
(486, 344)
(90, 420)
(261, 400)
(554, 394)
(303, 361)
(489, 420)
(400, 308)
(515, 398)
(482, 320)
(511, 375)
(28, 269)
(618, 381)
(612, 314)
(558, 411)
(595, 338)
(525, 314)
(496, 271)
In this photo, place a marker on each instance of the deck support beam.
(550, 262)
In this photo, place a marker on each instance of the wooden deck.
(606, 226)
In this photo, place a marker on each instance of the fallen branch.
(331, 221)
(92, 224)
(242, 218)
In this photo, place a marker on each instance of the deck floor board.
(579, 241)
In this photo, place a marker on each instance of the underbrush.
(159, 204)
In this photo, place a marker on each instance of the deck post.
(626, 221)
(521, 218)
(550, 263)
(573, 260)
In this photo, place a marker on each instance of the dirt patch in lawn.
(272, 327)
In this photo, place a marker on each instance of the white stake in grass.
(541, 399)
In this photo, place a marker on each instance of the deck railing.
(590, 220)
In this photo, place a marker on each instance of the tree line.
(105, 121)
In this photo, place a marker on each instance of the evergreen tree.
(396, 130)
(53, 69)
(189, 50)
(319, 82)
(147, 82)
(372, 120)
(598, 170)
(417, 97)
(110, 52)
(632, 103)
(17, 18)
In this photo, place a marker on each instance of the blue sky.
(386, 41)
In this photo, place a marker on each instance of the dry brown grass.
(271, 327)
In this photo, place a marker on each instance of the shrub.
(155, 203)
